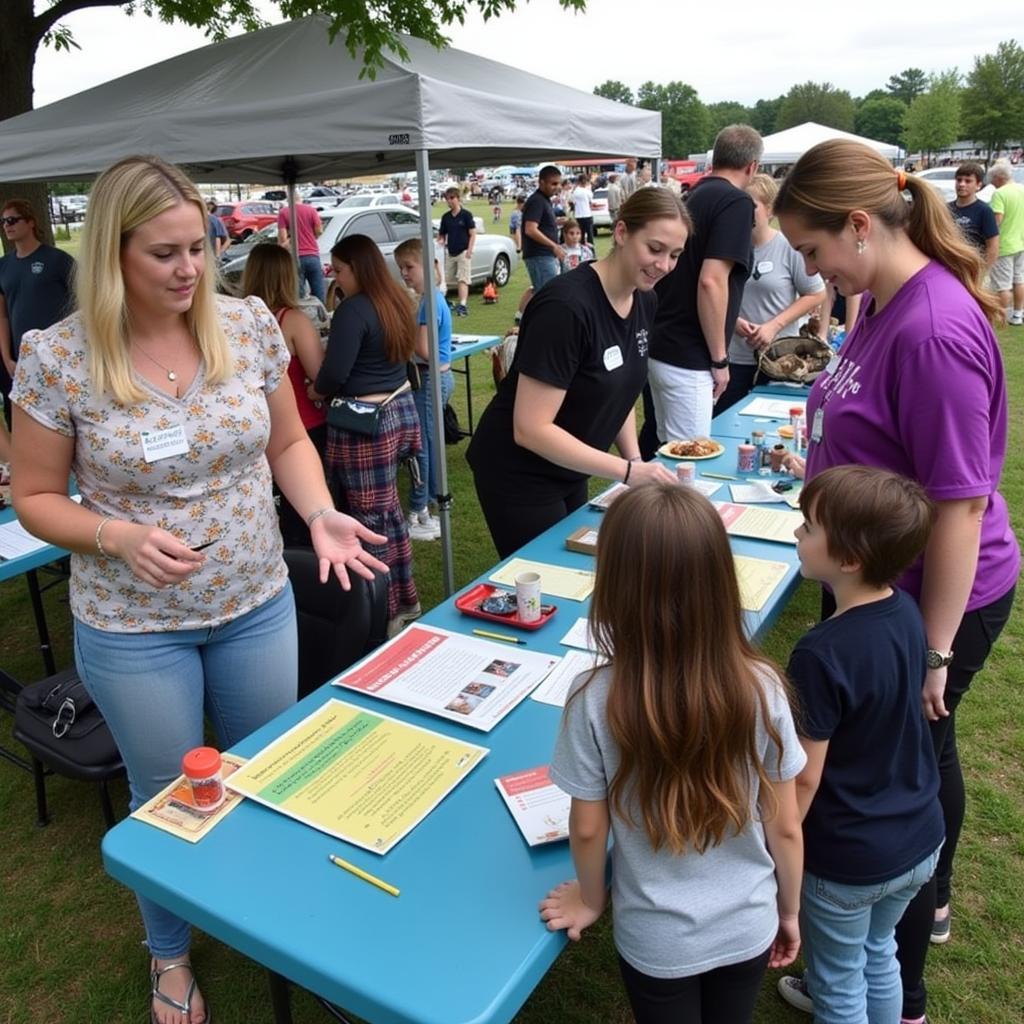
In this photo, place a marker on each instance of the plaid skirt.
(364, 478)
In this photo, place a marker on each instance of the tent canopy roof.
(788, 146)
(255, 106)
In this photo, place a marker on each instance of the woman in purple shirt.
(919, 389)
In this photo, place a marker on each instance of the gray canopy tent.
(283, 104)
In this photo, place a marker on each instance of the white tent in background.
(788, 146)
(283, 104)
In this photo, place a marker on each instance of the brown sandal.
(156, 973)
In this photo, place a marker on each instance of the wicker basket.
(797, 360)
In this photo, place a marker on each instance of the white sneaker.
(426, 519)
(419, 530)
(1017, 320)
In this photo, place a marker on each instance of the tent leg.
(444, 499)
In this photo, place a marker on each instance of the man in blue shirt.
(458, 236)
(35, 286)
(219, 240)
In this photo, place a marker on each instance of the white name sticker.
(162, 444)
(818, 425)
(832, 364)
(765, 267)
(612, 358)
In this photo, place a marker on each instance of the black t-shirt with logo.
(572, 339)
(977, 221)
(538, 208)
(723, 220)
(37, 290)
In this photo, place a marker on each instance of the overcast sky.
(756, 51)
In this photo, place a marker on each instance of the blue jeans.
(428, 456)
(850, 947)
(541, 270)
(152, 689)
(311, 270)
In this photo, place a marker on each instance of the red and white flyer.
(537, 805)
(471, 681)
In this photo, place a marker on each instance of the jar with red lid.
(202, 768)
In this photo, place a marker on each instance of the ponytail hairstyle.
(389, 299)
(834, 178)
(687, 687)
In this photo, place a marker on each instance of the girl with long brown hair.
(371, 341)
(683, 746)
(270, 275)
(918, 389)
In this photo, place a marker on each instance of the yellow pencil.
(360, 873)
(498, 636)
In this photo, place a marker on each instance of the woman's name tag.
(765, 267)
(612, 358)
(162, 444)
(818, 425)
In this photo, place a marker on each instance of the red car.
(242, 219)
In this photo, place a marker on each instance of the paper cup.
(528, 596)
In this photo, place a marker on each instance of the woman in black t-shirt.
(580, 364)
(370, 344)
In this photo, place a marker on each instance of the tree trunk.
(18, 45)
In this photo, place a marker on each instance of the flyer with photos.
(471, 681)
(537, 805)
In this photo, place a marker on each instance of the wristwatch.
(720, 364)
(936, 659)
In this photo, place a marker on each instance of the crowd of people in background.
(832, 827)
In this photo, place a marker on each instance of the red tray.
(469, 604)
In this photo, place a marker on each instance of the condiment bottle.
(202, 768)
(746, 457)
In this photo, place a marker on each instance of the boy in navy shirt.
(974, 217)
(873, 826)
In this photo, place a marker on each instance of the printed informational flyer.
(758, 579)
(579, 636)
(556, 580)
(759, 523)
(365, 778)
(537, 805)
(555, 689)
(759, 492)
(601, 501)
(774, 408)
(471, 681)
(172, 808)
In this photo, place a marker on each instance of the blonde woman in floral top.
(171, 407)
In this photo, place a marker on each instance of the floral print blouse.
(219, 490)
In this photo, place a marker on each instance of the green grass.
(70, 936)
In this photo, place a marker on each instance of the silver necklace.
(171, 375)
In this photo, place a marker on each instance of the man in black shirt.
(974, 217)
(700, 300)
(541, 252)
(458, 236)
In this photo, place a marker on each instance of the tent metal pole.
(290, 173)
(444, 499)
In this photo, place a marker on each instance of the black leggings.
(513, 523)
(978, 631)
(725, 995)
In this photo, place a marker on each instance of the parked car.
(942, 178)
(240, 249)
(275, 195)
(366, 199)
(245, 218)
(493, 255)
(599, 209)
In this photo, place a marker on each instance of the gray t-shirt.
(678, 915)
(777, 278)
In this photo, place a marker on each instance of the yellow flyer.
(172, 808)
(366, 778)
(759, 523)
(758, 579)
(556, 580)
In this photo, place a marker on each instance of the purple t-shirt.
(919, 390)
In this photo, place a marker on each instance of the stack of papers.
(537, 805)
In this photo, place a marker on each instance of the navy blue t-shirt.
(456, 228)
(538, 208)
(976, 221)
(858, 678)
(37, 290)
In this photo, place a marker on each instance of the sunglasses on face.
(11, 220)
